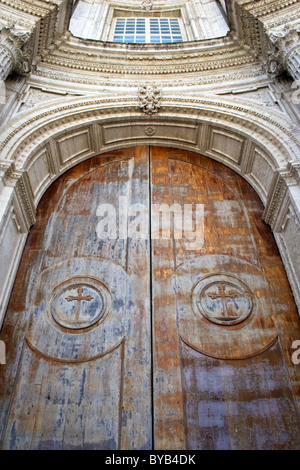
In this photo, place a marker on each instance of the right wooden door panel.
(223, 319)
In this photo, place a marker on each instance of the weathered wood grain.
(237, 388)
(85, 388)
(152, 371)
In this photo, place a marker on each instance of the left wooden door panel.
(78, 372)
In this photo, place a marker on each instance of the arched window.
(120, 22)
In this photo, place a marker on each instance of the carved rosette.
(12, 56)
(285, 42)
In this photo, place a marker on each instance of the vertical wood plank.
(169, 423)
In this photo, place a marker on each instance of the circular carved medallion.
(223, 299)
(78, 303)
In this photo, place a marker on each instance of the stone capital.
(285, 38)
(12, 55)
(284, 53)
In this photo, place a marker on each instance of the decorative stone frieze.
(82, 57)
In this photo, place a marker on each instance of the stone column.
(286, 52)
(12, 57)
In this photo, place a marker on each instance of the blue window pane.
(129, 39)
(133, 30)
(140, 39)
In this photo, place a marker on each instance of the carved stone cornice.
(275, 201)
(74, 54)
(24, 208)
(211, 77)
(23, 200)
(38, 16)
(250, 19)
(295, 172)
(286, 178)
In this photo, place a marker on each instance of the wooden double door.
(151, 311)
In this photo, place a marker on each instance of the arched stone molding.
(38, 146)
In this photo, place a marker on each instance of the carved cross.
(223, 295)
(79, 299)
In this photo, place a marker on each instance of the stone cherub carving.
(150, 99)
(147, 5)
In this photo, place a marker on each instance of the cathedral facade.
(134, 342)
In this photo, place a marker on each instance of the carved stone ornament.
(223, 300)
(150, 99)
(285, 38)
(147, 5)
(274, 65)
(12, 57)
(78, 304)
(286, 50)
